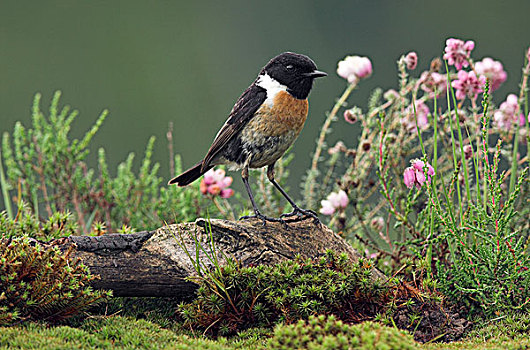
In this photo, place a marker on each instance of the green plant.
(488, 267)
(466, 215)
(326, 332)
(48, 171)
(233, 298)
(26, 224)
(109, 332)
(42, 283)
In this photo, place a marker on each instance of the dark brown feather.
(244, 109)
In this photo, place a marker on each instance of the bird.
(264, 122)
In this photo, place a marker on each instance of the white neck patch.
(272, 86)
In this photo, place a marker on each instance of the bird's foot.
(302, 214)
(263, 218)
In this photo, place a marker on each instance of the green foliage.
(103, 333)
(47, 170)
(27, 224)
(488, 272)
(469, 217)
(504, 333)
(513, 326)
(237, 298)
(38, 283)
(321, 332)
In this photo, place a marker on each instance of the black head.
(294, 71)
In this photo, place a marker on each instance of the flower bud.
(411, 60)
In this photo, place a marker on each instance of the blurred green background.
(152, 62)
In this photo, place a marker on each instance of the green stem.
(513, 174)
(5, 192)
(455, 163)
(322, 137)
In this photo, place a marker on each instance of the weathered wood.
(153, 263)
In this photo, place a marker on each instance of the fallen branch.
(153, 263)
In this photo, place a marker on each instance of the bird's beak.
(316, 74)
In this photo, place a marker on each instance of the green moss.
(39, 283)
(59, 224)
(261, 296)
(511, 332)
(328, 333)
(103, 333)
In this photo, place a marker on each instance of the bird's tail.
(189, 175)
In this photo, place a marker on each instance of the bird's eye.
(289, 66)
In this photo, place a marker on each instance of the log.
(155, 263)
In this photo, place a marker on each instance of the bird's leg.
(257, 213)
(297, 211)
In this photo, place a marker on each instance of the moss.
(326, 332)
(262, 296)
(39, 283)
(103, 333)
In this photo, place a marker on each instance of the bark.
(155, 263)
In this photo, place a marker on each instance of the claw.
(264, 218)
(302, 214)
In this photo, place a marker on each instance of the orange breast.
(286, 114)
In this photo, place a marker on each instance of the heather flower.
(391, 95)
(492, 70)
(505, 116)
(457, 52)
(354, 68)
(339, 147)
(216, 183)
(436, 65)
(468, 151)
(422, 112)
(352, 115)
(433, 81)
(411, 60)
(335, 200)
(414, 174)
(521, 119)
(468, 85)
(369, 255)
(377, 223)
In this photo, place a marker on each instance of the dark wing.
(244, 109)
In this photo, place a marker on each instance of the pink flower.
(377, 223)
(227, 193)
(335, 200)
(468, 151)
(505, 116)
(457, 52)
(522, 122)
(216, 183)
(411, 60)
(354, 68)
(492, 70)
(422, 112)
(391, 95)
(468, 85)
(368, 255)
(353, 114)
(339, 147)
(414, 174)
(433, 81)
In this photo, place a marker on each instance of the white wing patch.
(272, 86)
